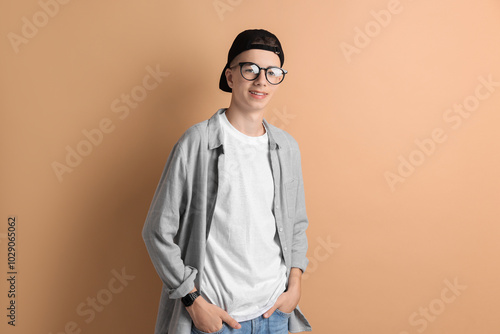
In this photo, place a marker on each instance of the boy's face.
(243, 96)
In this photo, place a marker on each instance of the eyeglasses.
(251, 71)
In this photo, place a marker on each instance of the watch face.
(187, 300)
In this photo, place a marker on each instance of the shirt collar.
(215, 137)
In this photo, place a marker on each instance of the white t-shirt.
(244, 270)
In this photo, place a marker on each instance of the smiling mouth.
(257, 93)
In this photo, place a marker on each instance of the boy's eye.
(275, 72)
(254, 69)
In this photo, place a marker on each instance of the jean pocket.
(283, 314)
(197, 331)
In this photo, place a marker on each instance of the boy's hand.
(287, 302)
(208, 317)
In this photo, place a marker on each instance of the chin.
(257, 106)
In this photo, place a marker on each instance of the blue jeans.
(277, 323)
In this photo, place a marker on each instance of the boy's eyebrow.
(258, 64)
(251, 61)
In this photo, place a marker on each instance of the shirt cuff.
(186, 286)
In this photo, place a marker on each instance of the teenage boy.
(226, 229)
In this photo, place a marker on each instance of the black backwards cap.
(251, 39)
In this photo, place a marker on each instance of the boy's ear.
(229, 77)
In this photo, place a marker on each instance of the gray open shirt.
(179, 218)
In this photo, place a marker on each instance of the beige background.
(381, 255)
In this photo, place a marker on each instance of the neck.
(247, 122)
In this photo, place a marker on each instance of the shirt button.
(281, 229)
(286, 248)
(277, 206)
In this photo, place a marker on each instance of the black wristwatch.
(188, 299)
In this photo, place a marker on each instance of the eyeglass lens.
(251, 71)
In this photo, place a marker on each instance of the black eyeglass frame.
(260, 68)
